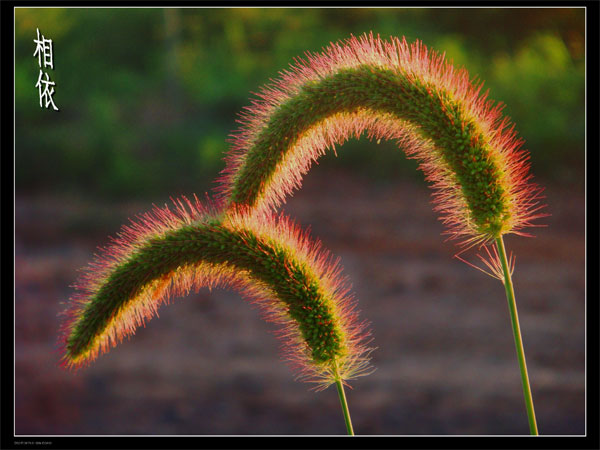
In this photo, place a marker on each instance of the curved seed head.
(389, 90)
(168, 253)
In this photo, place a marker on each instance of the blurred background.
(147, 99)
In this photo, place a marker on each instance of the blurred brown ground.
(445, 354)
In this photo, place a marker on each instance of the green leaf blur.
(148, 96)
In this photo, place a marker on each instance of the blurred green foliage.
(148, 96)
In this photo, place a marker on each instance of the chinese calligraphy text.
(43, 51)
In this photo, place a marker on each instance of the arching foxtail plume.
(389, 90)
(170, 252)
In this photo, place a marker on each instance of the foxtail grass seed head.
(388, 89)
(170, 252)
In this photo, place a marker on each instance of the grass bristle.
(171, 252)
(388, 89)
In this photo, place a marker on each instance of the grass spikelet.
(389, 90)
(493, 263)
(170, 252)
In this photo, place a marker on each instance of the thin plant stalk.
(514, 318)
(344, 403)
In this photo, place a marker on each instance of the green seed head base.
(169, 253)
(389, 90)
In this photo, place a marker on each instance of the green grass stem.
(344, 403)
(514, 318)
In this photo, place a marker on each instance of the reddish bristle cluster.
(418, 66)
(196, 268)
